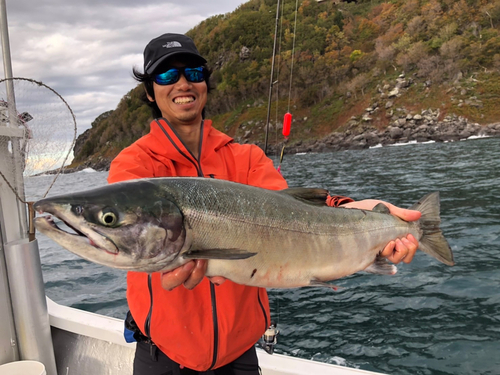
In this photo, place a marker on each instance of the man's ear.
(150, 98)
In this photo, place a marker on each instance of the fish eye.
(108, 217)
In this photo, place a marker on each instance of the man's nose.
(183, 82)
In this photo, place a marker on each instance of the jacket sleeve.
(131, 163)
(337, 200)
(262, 172)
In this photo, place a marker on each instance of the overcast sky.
(85, 49)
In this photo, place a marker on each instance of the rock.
(244, 53)
(395, 132)
(402, 83)
(464, 134)
(394, 93)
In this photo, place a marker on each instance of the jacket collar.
(168, 144)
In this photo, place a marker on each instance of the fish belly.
(288, 260)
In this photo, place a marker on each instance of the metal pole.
(8, 340)
(271, 82)
(16, 179)
(29, 303)
(22, 258)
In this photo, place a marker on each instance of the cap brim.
(163, 59)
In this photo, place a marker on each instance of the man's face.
(182, 102)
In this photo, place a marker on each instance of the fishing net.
(37, 130)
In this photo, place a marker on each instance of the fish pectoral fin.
(381, 267)
(381, 208)
(230, 254)
(316, 282)
(315, 197)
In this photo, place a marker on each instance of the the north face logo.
(172, 45)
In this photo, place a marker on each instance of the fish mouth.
(47, 225)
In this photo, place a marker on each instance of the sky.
(86, 49)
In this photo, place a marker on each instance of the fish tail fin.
(432, 241)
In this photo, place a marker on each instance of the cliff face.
(363, 72)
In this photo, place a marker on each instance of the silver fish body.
(252, 236)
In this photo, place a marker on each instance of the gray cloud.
(85, 50)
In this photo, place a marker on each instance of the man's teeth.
(184, 100)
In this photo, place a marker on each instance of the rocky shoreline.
(404, 128)
(358, 135)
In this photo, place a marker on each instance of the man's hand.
(400, 249)
(189, 274)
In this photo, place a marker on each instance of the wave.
(87, 170)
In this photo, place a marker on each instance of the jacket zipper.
(214, 317)
(263, 309)
(153, 350)
(195, 161)
(147, 323)
(216, 324)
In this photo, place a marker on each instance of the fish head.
(133, 229)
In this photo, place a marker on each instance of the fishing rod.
(271, 83)
(287, 120)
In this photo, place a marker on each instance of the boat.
(36, 330)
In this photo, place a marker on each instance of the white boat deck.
(99, 342)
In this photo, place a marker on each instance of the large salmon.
(252, 236)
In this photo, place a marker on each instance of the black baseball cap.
(166, 46)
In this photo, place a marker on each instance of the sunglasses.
(171, 76)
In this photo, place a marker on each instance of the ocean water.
(426, 319)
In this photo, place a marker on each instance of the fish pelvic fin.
(319, 283)
(432, 241)
(381, 267)
(313, 196)
(230, 254)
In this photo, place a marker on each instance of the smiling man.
(205, 326)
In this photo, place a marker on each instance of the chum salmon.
(252, 236)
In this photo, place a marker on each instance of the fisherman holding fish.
(184, 322)
(201, 326)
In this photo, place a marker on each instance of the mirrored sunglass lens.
(194, 74)
(169, 77)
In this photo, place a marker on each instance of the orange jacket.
(209, 326)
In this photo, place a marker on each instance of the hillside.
(361, 65)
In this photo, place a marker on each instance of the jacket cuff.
(337, 200)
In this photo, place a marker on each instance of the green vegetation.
(343, 54)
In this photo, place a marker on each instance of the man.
(204, 326)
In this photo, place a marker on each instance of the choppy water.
(427, 319)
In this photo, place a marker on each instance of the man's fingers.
(197, 275)
(388, 249)
(401, 250)
(411, 245)
(217, 280)
(174, 278)
(406, 215)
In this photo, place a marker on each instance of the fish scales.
(284, 241)
(230, 216)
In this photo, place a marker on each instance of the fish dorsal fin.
(381, 208)
(314, 196)
(381, 267)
